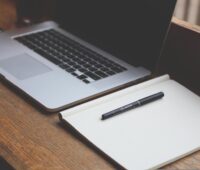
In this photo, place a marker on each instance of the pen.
(133, 105)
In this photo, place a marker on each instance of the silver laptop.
(92, 47)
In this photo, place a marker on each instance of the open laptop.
(94, 46)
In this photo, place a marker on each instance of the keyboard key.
(110, 73)
(86, 65)
(116, 69)
(93, 76)
(70, 70)
(82, 77)
(81, 62)
(104, 69)
(101, 74)
(64, 66)
(74, 74)
(90, 79)
(78, 73)
(86, 81)
(83, 70)
(71, 63)
(93, 62)
(92, 69)
(77, 66)
(108, 65)
(98, 65)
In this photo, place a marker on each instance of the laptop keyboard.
(76, 59)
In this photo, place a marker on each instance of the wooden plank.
(180, 56)
(32, 139)
(8, 16)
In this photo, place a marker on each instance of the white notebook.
(147, 137)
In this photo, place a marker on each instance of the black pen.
(133, 105)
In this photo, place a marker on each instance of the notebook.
(148, 137)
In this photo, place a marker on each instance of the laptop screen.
(132, 30)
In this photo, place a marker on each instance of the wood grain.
(181, 55)
(187, 25)
(8, 16)
(33, 139)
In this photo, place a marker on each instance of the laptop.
(91, 48)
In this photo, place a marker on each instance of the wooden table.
(33, 139)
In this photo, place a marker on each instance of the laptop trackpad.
(23, 66)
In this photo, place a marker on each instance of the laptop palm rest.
(23, 66)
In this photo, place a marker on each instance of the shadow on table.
(4, 165)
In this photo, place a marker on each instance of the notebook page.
(147, 137)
